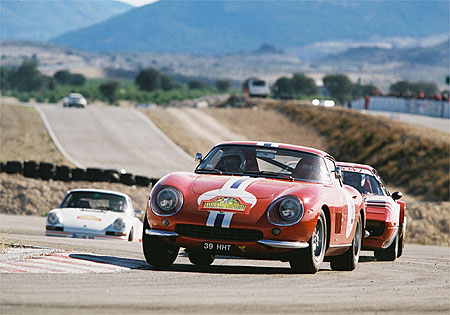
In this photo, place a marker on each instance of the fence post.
(367, 102)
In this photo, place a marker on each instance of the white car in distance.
(94, 214)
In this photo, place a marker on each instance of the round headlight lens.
(289, 209)
(285, 211)
(167, 201)
(53, 218)
(119, 224)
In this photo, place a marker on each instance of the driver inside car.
(230, 163)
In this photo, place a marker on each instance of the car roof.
(99, 191)
(268, 144)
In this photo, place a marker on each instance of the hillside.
(42, 20)
(218, 27)
(431, 56)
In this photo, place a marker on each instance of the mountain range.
(220, 27)
(41, 20)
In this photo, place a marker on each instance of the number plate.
(217, 247)
(82, 235)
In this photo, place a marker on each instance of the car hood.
(78, 218)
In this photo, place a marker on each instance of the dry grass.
(23, 136)
(197, 130)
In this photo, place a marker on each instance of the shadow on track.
(138, 264)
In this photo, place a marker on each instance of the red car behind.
(386, 221)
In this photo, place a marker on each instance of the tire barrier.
(62, 173)
(47, 171)
(94, 174)
(30, 169)
(111, 176)
(78, 174)
(13, 167)
(142, 180)
(127, 179)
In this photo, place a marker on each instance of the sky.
(138, 3)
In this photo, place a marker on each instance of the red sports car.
(386, 221)
(257, 200)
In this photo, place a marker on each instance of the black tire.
(308, 260)
(349, 260)
(30, 169)
(401, 239)
(130, 236)
(390, 253)
(201, 258)
(157, 252)
(14, 167)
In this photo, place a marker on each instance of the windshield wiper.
(212, 170)
(270, 174)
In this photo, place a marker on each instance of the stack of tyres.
(94, 174)
(142, 180)
(62, 173)
(30, 169)
(127, 179)
(46, 170)
(78, 174)
(13, 167)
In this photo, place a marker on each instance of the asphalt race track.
(113, 137)
(107, 277)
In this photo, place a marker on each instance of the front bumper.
(83, 235)
(268, 243)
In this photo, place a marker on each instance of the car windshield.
(364, 183)
(94, 200)
(265, 162)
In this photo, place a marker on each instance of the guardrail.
(419, 106)
(47, 171)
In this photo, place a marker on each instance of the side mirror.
(396, 195)
(337, 172)
(198, 157)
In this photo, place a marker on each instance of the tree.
(109, 90)
(148, 79)
(283, 88)
(63, 76)
(401, 88)
(223, 85)
(302, 85)
(197, 85)
(166, 82)
(361, 90)
(77, 79)
(4, 78)
(26, 78)
(339, 86)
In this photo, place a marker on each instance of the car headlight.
(119, 224)
(54, 218)
(286, 210)
(167, 201)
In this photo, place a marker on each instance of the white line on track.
(68, 263)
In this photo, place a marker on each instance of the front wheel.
(308, 260)
(349, 260)
(157, 252)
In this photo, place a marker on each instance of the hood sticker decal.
(88, 217)
(232, 196)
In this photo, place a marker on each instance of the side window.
(331, 167)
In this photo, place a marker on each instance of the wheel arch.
(326, 211)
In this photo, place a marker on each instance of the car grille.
(217, 233)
